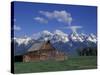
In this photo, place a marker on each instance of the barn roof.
(35, 46)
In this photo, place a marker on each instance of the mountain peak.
(24, 40)
(46, 32)
(92, 38)
(76, 37)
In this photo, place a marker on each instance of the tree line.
(88, 51)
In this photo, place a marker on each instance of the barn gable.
(47, 46)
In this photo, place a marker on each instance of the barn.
(41, 51)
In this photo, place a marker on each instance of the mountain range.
(68, 43)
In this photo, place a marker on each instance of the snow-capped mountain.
(59, 36)
(45, 35)
(22, 44)
(76, 37)
(60, 40)
(25, 40)
(92, 38)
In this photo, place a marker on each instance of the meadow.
(73, 63)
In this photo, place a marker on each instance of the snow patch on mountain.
(76, 37)
(45, 35)
(60, 36)
(24, 40)
(92, 38)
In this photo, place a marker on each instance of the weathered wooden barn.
(41, 51)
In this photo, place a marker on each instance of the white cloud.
(77, 27)
(60, 16)
(74, 28)
(17, 28)
(41, 20)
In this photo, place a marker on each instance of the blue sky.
(31, 18)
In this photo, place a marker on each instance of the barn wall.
(44, 55)
(60, 56)
(31, 57)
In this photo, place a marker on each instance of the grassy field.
(74, 63)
